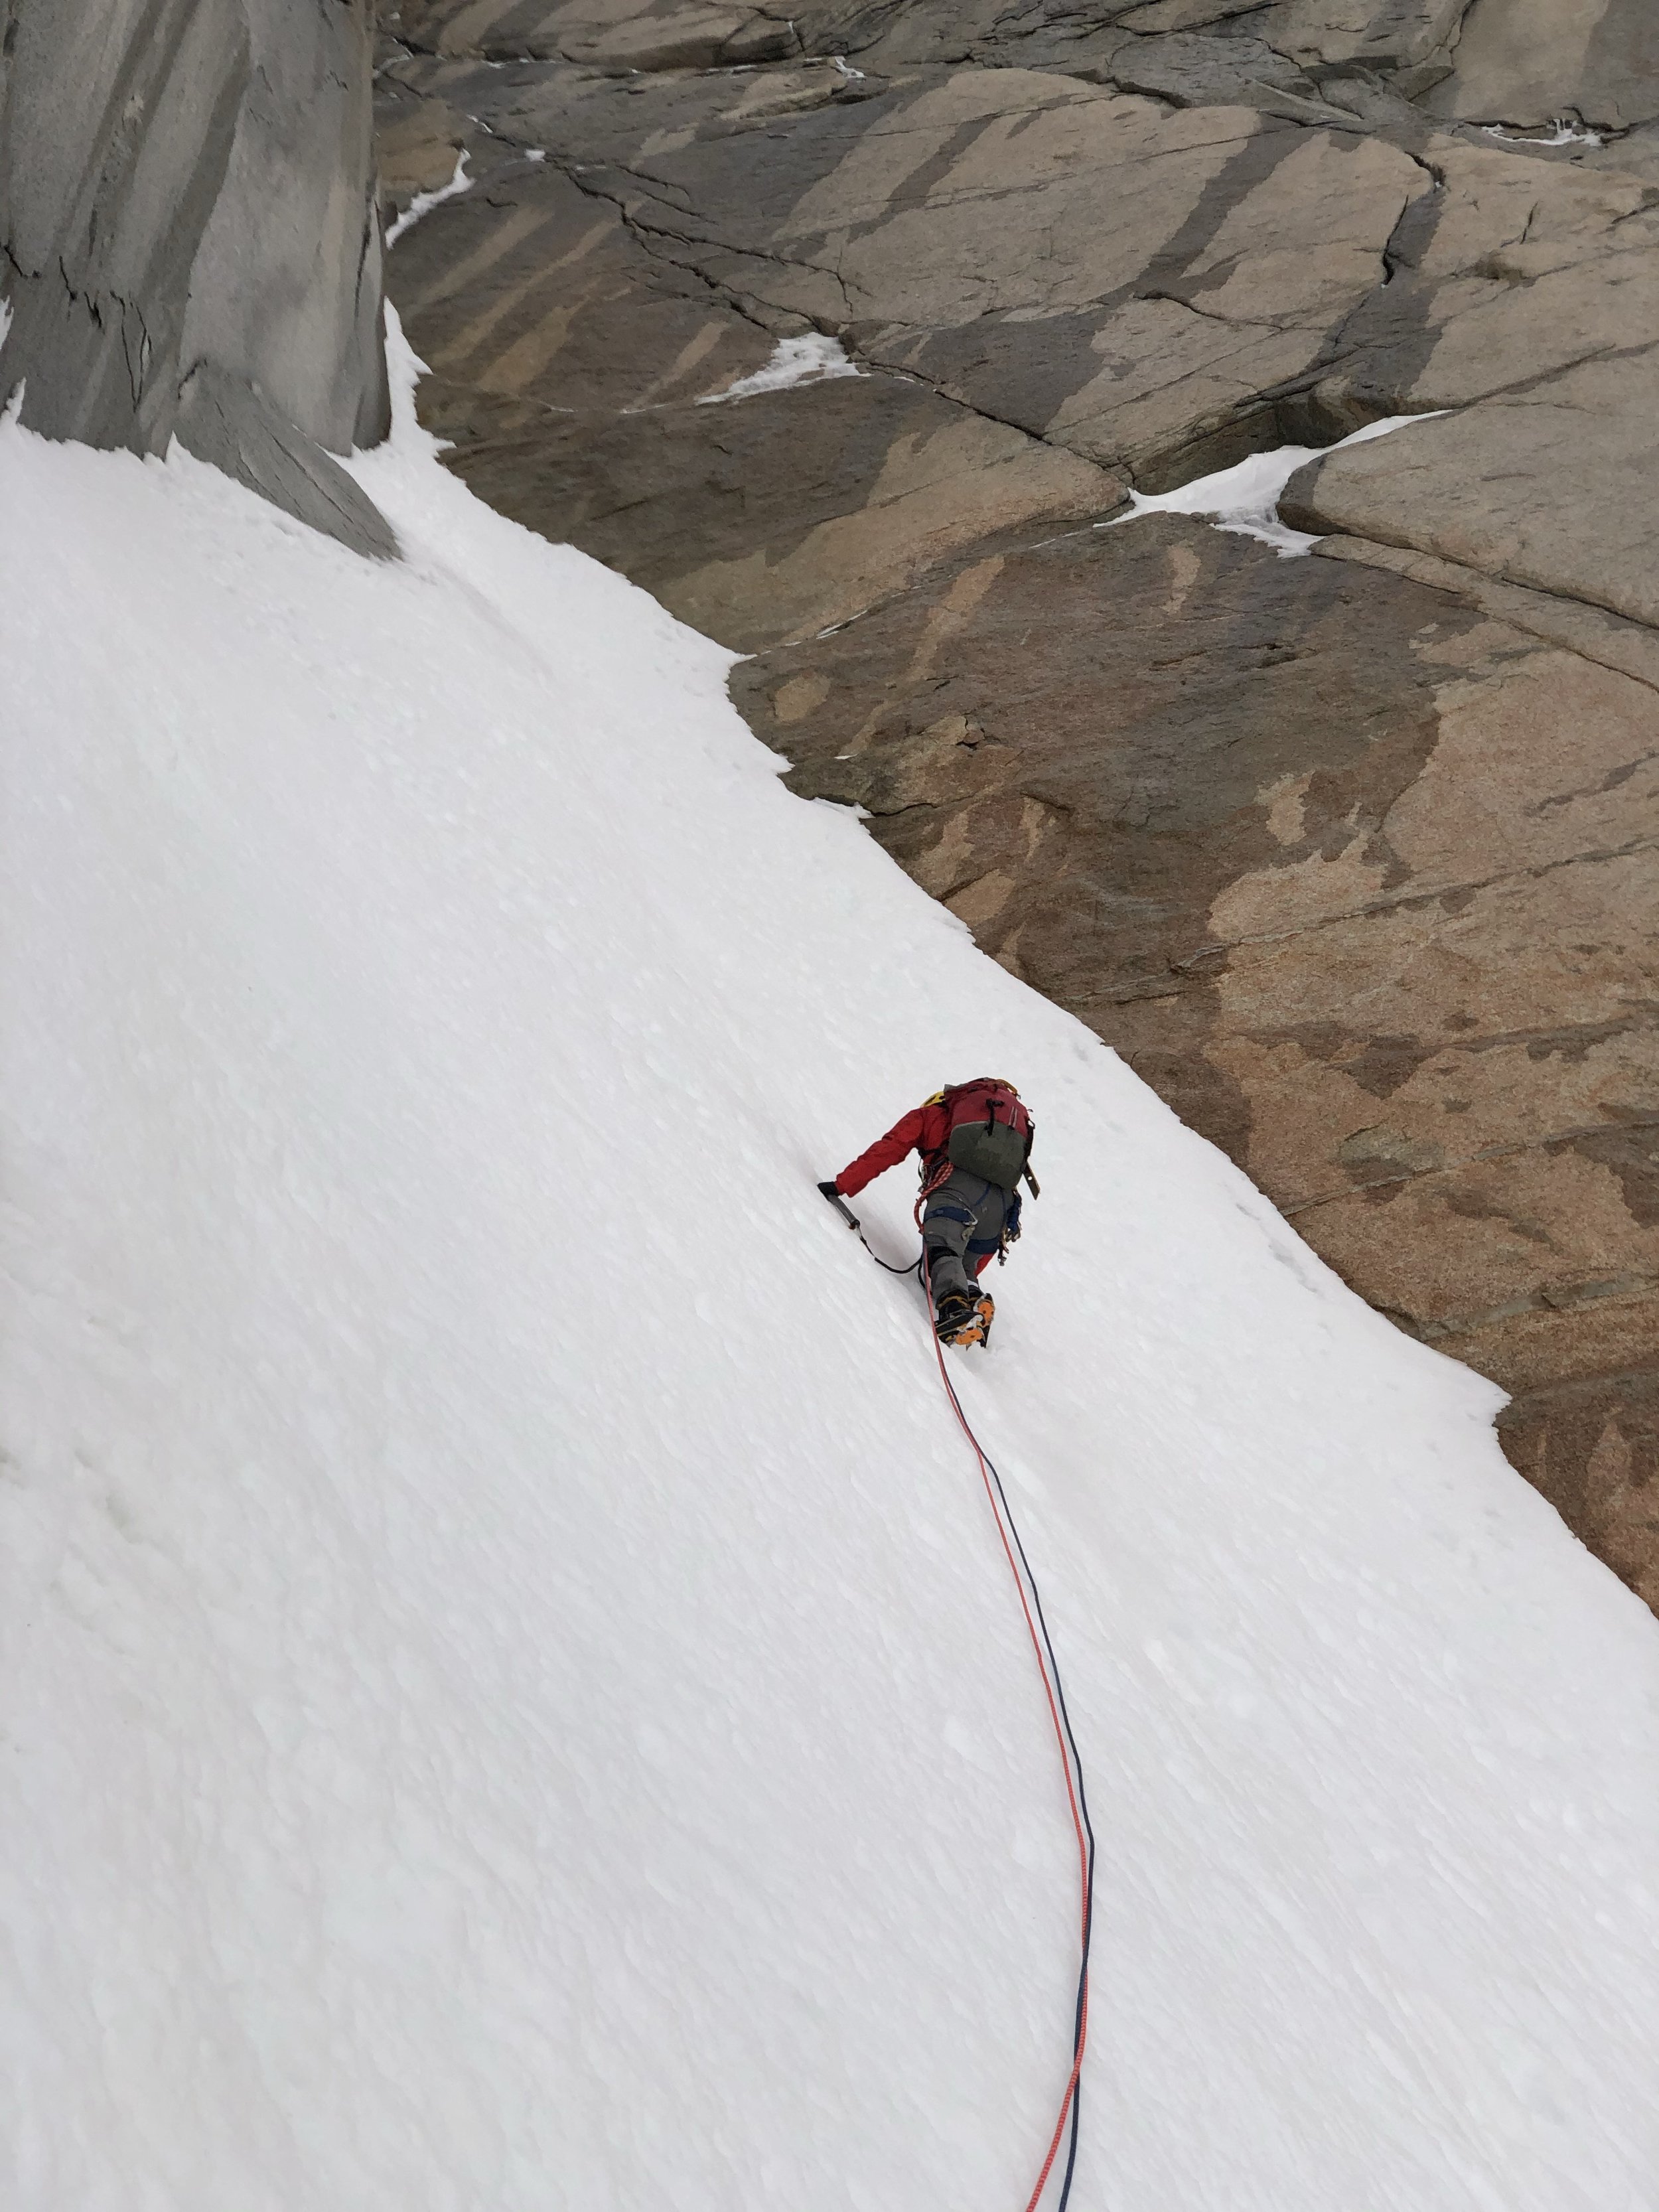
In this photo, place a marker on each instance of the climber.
(975, 1139)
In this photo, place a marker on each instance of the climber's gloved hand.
(840, 1204)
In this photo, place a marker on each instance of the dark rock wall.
(191, 243)
(1355, 858)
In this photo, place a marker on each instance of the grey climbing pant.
(962, 1222)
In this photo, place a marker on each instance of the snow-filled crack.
(810, 359)
(1561, 133)
(1244, 498)
(423, 203)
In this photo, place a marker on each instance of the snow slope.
(513, 1702)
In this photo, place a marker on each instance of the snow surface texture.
(423, 203)
(515, 1704)
(813, 359)
(1245, 497)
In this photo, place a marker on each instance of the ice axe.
(840, 1206)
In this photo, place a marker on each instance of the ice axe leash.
(1037, 1628)
(856, 1226)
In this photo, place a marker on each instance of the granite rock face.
(1352, 856)
(189, 242)
(1533, 61)
(1301, 840)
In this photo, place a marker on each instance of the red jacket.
(926, 1129)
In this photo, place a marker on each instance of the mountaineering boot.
(964, 1321)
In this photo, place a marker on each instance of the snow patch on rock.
(1245, 497)
(423, 203)
(813, 359)
(1561, 132)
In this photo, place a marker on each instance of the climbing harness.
(1037, 1628)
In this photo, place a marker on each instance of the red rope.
(1053, 1711)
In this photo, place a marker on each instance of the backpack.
(991, 1131)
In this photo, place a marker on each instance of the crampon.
(965, 1320)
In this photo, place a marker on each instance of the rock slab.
(191, 246)
(1352, 856)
